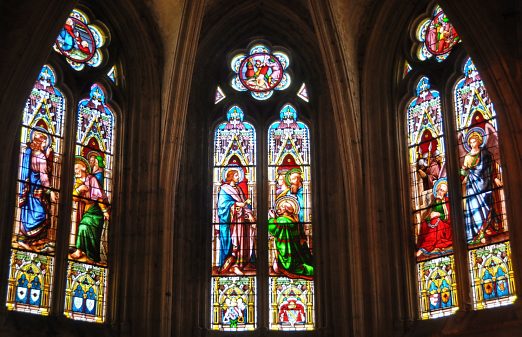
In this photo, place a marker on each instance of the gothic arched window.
(64, 191)
(238, 282)
(459, 220)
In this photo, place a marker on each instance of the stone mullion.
(453, 163)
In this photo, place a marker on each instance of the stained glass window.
(437, 36)
(38, 227)
(282, 289)
(260, 72)
(302, 93)
(478, 177)
(80, 41)
(291, 266)
(92, 196)
(220, 95)
(430, 203)
(406, 69)
(483, 200)
(38, 193)
(234, 253)
(113, 74)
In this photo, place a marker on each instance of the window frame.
(75, 87)
(444, 77)
(261, 114)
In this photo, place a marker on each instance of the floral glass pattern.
(260, 72)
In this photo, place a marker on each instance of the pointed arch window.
(56, 177)
(456, 183)
(36, 215)
(234, 251)
(286, 280)
(291, 270)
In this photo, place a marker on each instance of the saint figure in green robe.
(294, 258)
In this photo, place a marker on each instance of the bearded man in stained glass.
(92, 210)
(294, 258)
(435, 233)
(236, 235)
(294, 179)
(97, 166)
(35, 195)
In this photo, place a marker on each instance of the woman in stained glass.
(478, 181)
(35, 195)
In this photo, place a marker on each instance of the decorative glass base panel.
(233, 306)
(291, 304)
(437, 287)
(86, 292)
(30, 281)
(492, 277)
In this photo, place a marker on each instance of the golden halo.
(82, 161)
(290, 199)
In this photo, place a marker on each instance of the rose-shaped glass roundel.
(441, 36)
(260, 72)
(437, 35)
(75, 41)
(80, 41)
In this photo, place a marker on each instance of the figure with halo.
(435, 233)
(236, 223)
(93, 212)
(35, 193)
(293, 258)
(478, 180)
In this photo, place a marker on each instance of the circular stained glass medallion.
(441, 36)
(260, 72)
(76, 41)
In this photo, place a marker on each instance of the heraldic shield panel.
(290, 255)
(234, 228)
